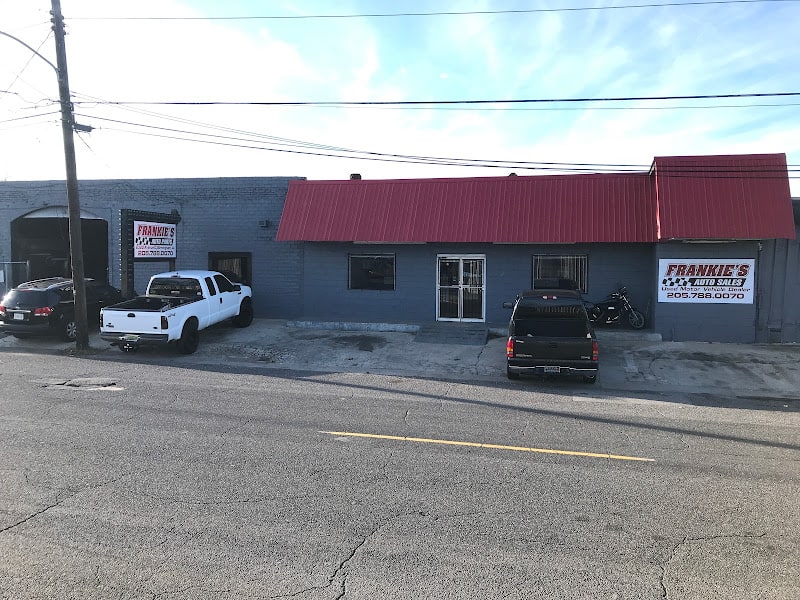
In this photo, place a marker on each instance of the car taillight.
(595, 352)
(42, 311)
(510, 348)
(2, 310)
(164, 323)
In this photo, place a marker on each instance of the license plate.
(19, 317)
(552, 369)
(129, 338)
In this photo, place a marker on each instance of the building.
(688, 239)
(707, 246)
(220, 223)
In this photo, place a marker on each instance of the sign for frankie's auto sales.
(153, 240)
(725, 281)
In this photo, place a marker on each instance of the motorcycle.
(614, 308)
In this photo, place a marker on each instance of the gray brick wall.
(706, 322)
(217, 215)
(508, 271)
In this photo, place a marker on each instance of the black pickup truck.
(550, 334)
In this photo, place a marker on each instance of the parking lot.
(630, 360)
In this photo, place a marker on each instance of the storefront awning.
(675, 200)
(743, 197)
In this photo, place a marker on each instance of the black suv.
(47, 307)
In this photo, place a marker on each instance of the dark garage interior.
(43, 242)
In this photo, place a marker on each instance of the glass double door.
(460, 288)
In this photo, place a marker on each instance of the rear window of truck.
(176, 286)
(557, 311)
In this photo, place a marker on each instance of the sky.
(127, 61)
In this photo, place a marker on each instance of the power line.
(720, 171)
(30, 58)
(48, 114)
(403, 103)
(574, 108)
(437, 13)
(303, 144)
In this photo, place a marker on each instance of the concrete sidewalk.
(630, 360)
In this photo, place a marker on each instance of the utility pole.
(75, 236)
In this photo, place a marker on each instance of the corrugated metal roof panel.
(723, 197)
(617, 207)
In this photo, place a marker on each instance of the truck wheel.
(589, 378)
(511, 374)
(245, 316)
(69, 330)
(636, 319)
(190, 338)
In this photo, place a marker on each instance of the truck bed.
(152, 303)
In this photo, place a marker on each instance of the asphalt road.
(146, 476)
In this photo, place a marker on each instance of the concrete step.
(446, 332)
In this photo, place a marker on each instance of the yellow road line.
(492, 446)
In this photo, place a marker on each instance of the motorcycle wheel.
(636, 319)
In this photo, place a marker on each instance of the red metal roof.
(723, 197)
(546, 209)
(739, 197)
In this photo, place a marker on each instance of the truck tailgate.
(553, 350)
(115, 320)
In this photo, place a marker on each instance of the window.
(236, 266)
(549, 267)
(211, 289)
(223, 284)
(371, 272)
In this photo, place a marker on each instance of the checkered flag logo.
(675, 281)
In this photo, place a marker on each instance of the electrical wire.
(720, 171)
(439, 13)
(327, 147)
(49, 114)
(349, 103)
(30, 58)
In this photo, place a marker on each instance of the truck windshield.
(175, 286)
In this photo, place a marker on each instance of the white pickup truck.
(175, 308)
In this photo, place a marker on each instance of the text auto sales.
(154, 240)
(706, 281)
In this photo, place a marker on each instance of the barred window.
(560, 271)
(371, 272)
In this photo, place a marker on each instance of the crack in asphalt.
(36, 514)
(341, 568)
(69, 493)
(242, 424)
(707, 538)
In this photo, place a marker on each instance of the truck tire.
(245, 316)
(190, 338)
(511, 374)
(590, 378)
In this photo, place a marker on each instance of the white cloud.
(668, 51)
